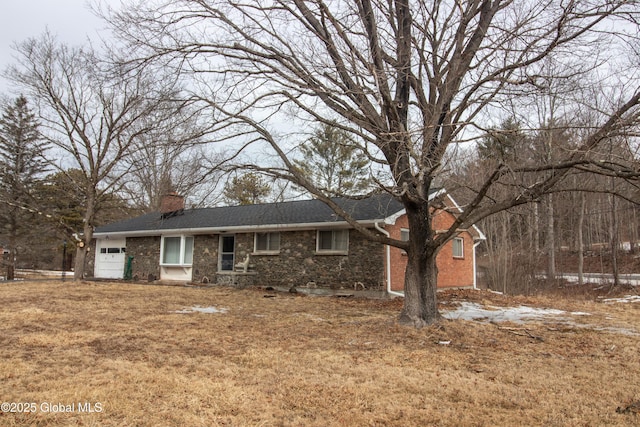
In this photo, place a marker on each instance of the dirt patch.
(155, 355)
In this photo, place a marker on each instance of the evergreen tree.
(504, 144)
(63, 198)
(248, 189)
(332, 162)
(21, 164)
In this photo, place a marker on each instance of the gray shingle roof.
(293, 213)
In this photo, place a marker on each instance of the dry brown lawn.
(131, 353)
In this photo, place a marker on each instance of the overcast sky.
(70, 20)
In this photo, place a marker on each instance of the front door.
(227, 252)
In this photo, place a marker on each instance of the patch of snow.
(521, 314)
(199, 309)
(473, 311)
(621, 331)
(625, 299)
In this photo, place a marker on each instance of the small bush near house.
(126, 354)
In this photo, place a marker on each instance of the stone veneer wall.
(205, 258)
(298, 264)
(146, 257)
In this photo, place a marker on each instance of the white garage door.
(110, 258)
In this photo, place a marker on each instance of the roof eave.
(391, 219)
(233, 229)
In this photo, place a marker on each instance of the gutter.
(388, 253)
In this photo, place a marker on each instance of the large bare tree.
(93, 113)
(410, 79)
(173, 158)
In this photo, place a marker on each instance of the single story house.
(297, 243)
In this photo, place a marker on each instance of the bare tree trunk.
(634, 232)
(81, 254)
(11, 259)
(583, 202)
(536, 227)
(85, 243)
(551, 241)
(504, 250)
(420, 306)
(420, 302)
(614, 240)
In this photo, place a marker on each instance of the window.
(332, 241)
(267, 242)
(458, 247)
(113, 250)
(177, 250)
(404, 236)
(188, 250)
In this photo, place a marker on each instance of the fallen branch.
(516, 331)
(631, 408)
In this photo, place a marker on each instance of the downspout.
(475, 272)
(388, 253)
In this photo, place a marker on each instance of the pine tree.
(21, 163)
(502, 144)
(248, 189)
(332, 162)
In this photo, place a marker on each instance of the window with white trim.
(177, 250)
(267, 242)
(457, 247)
(336, 241)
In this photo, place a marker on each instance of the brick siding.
(452, 272)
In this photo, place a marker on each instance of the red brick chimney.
(171, 202)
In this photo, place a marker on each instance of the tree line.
(589, 215)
